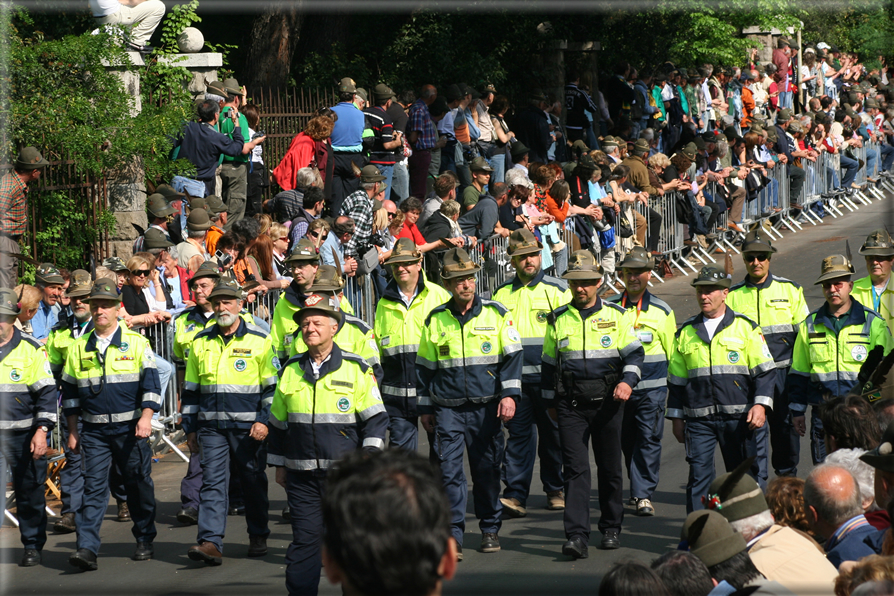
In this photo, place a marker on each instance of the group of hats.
(224, 88)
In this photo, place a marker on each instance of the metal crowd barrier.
(161, 338)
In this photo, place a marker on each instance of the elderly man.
(721, 377)
(28, 168)
(469, 368)
(831, 346)
(329, 394)
(875, 290)
(359, 207)
(28, 414)
(49, 281)
(531, 295)
(302, 264)
(110, 382)
(343, 231)
(400, 318)
(228, 389)
(191, 252)
(779, 552)
(832, 502)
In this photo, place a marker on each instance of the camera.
(224, 260)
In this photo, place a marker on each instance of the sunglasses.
(391, 215)
(314, 234)
(284, 238)
(760, 257)
(140, 273)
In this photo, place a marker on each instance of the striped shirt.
(420, 121)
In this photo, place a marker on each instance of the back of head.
(833, 492)
(850, 422)
(871, 575)
(862, 472)
(387, 522)
(29, 297)
(632, 579)
(785, 497)
(683, 574)
(884, 412)
(738, 571)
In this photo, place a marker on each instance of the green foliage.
(178, 18)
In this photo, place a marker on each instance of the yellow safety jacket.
(398, 328)
(724, 375)
(883, 304)
(27, 389)
(587, 353)
(778, 306)
(476, 357)
(530, 305)
(110, 389)
(188, 324)
(283, 325)
(654, 325)
(228, 384)
(354, 336)
(828, 362)
(61, 338)
(317, 418)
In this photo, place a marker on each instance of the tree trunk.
(274, 36)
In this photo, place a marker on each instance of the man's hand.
(622, 392)
(757, 415)
(281, 476)
(39, 444)
(679, 429)
(428, 422)
(473, 241)
(506, 411)
(258, 431)
(192, 443)
(442, 142)
(504, 232)
(800, 424)
(144, 427)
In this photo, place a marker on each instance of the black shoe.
(30, 558)
(132, 47)
(123, 511)
(83, 559)
(286, 513)
(610, 540)
(257, 546)
(188, 516)
(575, 548)
(459, 553)
(240, 510)
(66, 524)
(490, 543)
(144, 552)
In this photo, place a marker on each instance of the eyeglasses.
(760, 257)
(391, 215)
(314, 234)
(140, 273)
(284, 238)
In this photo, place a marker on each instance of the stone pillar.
(767, 41)
(126, 188)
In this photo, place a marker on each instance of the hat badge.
(885, 448)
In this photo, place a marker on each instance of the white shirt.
(711, 325)
(102, 343)
(316, 367)
(667, 93)
(104, 8)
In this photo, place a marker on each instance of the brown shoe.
(66, 524)
(513, 507)
(123, 511)
(205, 552)
(555, 500)
(734, 226)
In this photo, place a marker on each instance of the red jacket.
(782, 62)
(303, 152)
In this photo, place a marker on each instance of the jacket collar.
(586, 312)
(702, 331)
(331, 364)
(115, 341)
(392, 291)
(624, 301)
(761, 286)
(197, 316)
(473, 312)
(856, 316)
(295, 295)
(240, 331)
(13, 343)
(517, 283)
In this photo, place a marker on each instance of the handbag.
(367, 261)
(625, 230)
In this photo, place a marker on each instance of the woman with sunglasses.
(136, 295)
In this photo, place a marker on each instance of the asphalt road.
(530, 562)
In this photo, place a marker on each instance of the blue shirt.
(44, 321)
(849, 543)
(347, 135)
(326, 250)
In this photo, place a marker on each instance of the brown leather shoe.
(555, 500)
(123, 511)
(205, 552)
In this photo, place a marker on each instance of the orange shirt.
(560, 213)
(211, 238)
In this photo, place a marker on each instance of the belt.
(336, 152)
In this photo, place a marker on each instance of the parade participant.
(831, 346)
(29, 413)
(111, 384)
(654, 325)
(400, 316)
(530, 296)
(591, 363)
(875, 290)
(229, 385)
(469, 370)
(778, 306)
(326, 404)
(720, 378)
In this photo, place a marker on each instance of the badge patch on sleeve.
(513, 335)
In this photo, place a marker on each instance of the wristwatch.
(44, 428)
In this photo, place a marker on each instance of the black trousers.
(305, 492)
(577, 425)
(344, 181)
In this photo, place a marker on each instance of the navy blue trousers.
(28, 478)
